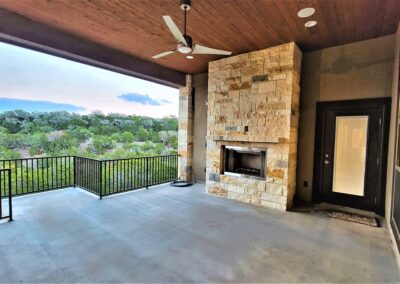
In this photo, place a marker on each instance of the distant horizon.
(33, 81)
(77, 112)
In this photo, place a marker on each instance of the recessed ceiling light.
(310, 24)
(189, 57)
(306, 12)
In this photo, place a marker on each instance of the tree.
(101, 143)
(92, 135)
(126, 137)
(12, 124)
(9, 154)
(39, 143)
(81, 134)
(142, 134)
(168, 137)
(62, 145)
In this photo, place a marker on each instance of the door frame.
(385, 105)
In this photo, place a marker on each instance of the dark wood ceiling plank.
(288, 10)
(391, 18)
(136, 27)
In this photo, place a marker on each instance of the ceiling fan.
(185, 45)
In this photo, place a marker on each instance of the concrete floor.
(167, 234)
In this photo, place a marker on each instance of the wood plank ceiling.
(136, 26)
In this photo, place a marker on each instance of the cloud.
(143, 99)
(31, 105)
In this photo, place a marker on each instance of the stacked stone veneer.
(185, 132)
(253, 101)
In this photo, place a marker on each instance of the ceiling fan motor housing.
(183, 48)
(185, 5)
(188, 40)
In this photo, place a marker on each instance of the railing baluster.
(1, 192)
(22, 175)
(42, 173)
(124, 173)
(109, 176)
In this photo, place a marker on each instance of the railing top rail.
(5, 170)
(85, 158)
(34, 158)
(98, 160)
(142, 157)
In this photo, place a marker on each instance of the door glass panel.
(350, 154)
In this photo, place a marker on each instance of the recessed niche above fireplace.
(244, 162)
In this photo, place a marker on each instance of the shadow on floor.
(168, 234)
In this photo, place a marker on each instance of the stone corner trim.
(185, 131)
(253, 101)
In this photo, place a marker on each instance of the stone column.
(185, 132)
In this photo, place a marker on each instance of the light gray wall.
(393, 127)
(393, 174)
(200, 83)
(352, 71)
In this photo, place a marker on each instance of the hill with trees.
(96, 135)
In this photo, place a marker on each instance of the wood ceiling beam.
(21, 31)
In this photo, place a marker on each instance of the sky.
(35, 81)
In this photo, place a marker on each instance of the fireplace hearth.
(244, 162)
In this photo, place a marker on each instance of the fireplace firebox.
(243, 161)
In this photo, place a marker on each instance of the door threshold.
(343, 213)
(327, 206)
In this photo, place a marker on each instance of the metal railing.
(121, 175)
(39, 174)
(5, 178)
(101, 177)
(87, 174)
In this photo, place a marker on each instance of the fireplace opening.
(242, 161)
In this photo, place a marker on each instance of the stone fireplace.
(253, 112)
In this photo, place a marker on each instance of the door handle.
(327, 162)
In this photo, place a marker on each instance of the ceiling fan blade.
(174, 30)
(199, 49)
(163, 54)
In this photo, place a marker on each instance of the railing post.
(101, 180)
(147, 172)
(74, 157)
(9, 197)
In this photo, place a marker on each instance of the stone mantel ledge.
(272, 140)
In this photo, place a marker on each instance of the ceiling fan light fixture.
(310, 24)
(306, 12)
(190, 57)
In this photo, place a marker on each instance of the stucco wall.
(352, 71)
(392, 170)
(393, 123)
(200, 126)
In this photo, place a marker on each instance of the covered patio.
(167, 234)
(288, 91)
